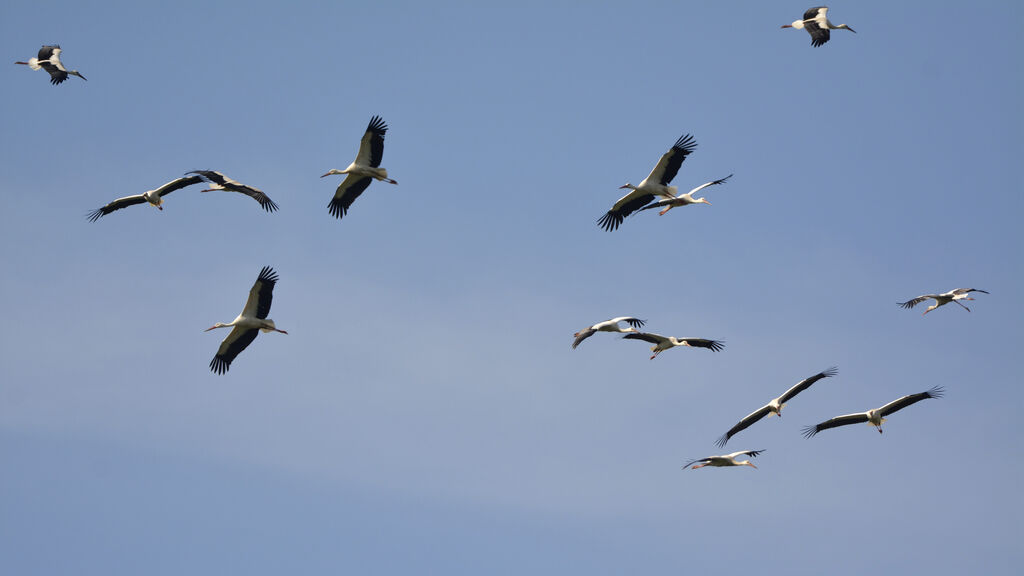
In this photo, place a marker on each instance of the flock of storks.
(653, 192)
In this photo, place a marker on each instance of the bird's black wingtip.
(267, 274)
(687, 143)
(722, 440)
(832, 371)
(717, 345)
(95, 215)
(809, 431)
(610, 221)
(377, 125)
(218, 365)
(337, 209)
(936, 392)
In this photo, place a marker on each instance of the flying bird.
(817, 25)
(662, 343)
(607, 326)
(656, 184)
(943, 299)
(248, 324)
(154, 197)
(775, 406)
(49, 59)
(874, 417)
(218, 181)
(725, 460)
(685, 199)
(362, 170)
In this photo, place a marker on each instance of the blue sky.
(425, 413)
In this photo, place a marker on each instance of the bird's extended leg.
(962, 305)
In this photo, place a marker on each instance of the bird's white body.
(363, 170)
(954, 295)
(876, 416)
(608, 326)
(776, 405)
(724, 460)
(817, 24)
(662, 343)
(249, 323)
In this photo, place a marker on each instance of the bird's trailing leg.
(962, 305)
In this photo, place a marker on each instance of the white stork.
(725, 460)
(662, 343)
(775, 406)
(248, 324)
(817, 25)
(874, 417)
(154, 197)
(49, 59)
(685, 199)
(218, 181)
(656, 184)
(362, 170)
(943, 299)
(607, 326)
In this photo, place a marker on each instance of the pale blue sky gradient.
(425, 414)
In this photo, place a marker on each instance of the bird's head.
(702, 201)
(75, 73)
(749, 463)
(217, 325)
(627, 185)
(332, 171)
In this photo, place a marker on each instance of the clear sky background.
(425, 414)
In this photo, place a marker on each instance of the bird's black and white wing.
(698, 461)
(960, 291)
(582, 335)
(819, 34)
(49, 59)
(116, 205)
(261, 294)
(915, 301)
(668, 166)
(806, 383)
(676, 200)
(743, 424)
(751, 453)
(237, 340)
(371, 146)
(713, 345)
(901, 403)
(349, 189)
(232, 185)
(623, 207)
(809, 431)
(646, 337)
(177, 184)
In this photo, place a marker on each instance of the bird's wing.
(261, 294)
(177, 184)
(633, 322)
(697, 461)
(967, 291)
(743, 424)
(349, 189)
(116, 205)
(668, 166)
(624, 207)
(47, 51)
(582, 335)
(232, 346)
(835, 422)
(56, 74)
(806, 383)
(706, 184)
(713, 345)
(661, 203)
(211, 176)
(915, 301)
(646, 337)
(816, 13)
(255, 193)
(909, 399)
(751, 453)
(819, 35)
(371, 147)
